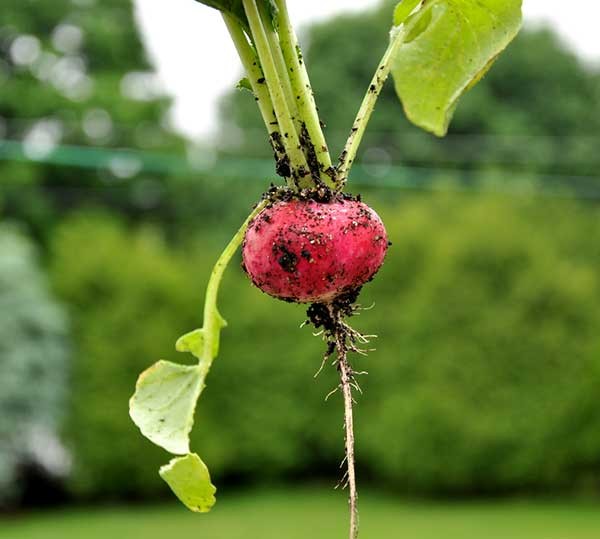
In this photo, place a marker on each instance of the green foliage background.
(484, 378)
(82, 95)
(487, 364)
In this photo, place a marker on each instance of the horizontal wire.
(392, 176)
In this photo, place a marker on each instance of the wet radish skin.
(306, 251)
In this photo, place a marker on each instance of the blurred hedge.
(487, 373)
(484, 379)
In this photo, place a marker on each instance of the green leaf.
(448, 46)
(234, 8)
(192, 342)
(164, 402)
(244, 84)
(198, 344)
(189, 479)
(166, 394)
(403, 10)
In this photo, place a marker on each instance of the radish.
(305, 251)
(308, 242)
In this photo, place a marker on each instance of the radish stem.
(303, 92)
(289, 137)
(280, 65)
(366, 109)
(257, 81)
(211, 322)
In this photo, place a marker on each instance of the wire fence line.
(127, 164)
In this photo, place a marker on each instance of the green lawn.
(316, 514)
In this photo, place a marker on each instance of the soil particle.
(311, 154)
(286, 258)
(283, 168)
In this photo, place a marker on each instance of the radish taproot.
(307, 251)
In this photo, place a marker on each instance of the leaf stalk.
(289, 136)
(257, 81)
(280, 64)
(213, 322)
(303, 93)
(367, 107)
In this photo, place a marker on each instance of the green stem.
(257, 81)
(213, 322)
(289, 136)
(302, 89)
(280, 65)
(366, 109)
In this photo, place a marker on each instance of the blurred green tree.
(33, 361)
(73, 73)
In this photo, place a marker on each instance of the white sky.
(197, 62)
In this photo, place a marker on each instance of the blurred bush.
(33, 358)
(484, 378)
(487, 371)
(131, 296)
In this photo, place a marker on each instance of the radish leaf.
(164, 402)
(196, 343)
(448, 46)
(166, 394)
(192, 342)
(231, 7)
(244, 84)
(235, 8)
(403, 10)
(189, 479)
